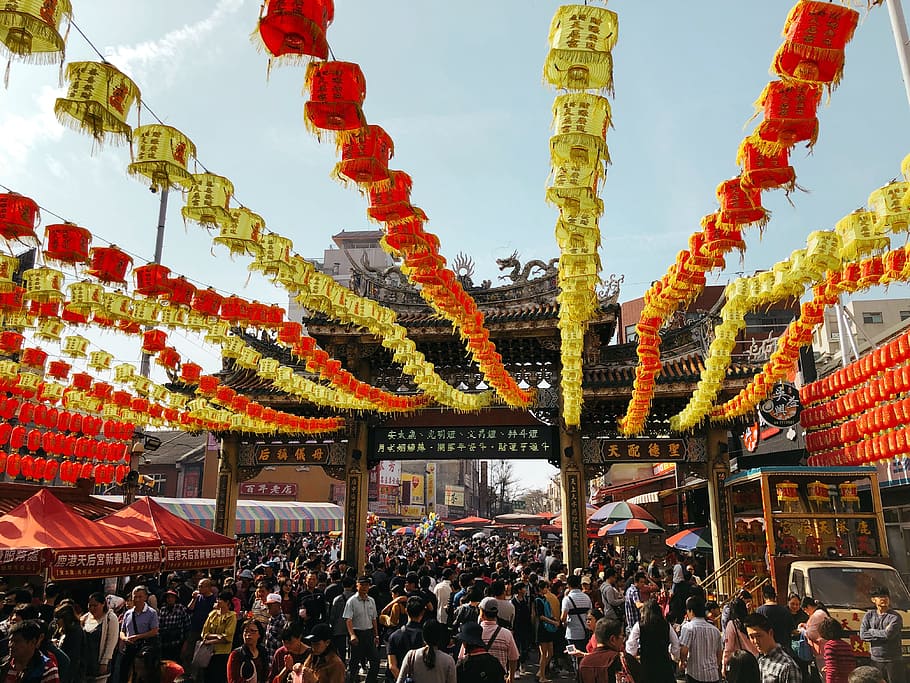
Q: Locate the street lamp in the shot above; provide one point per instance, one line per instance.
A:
(131, 480)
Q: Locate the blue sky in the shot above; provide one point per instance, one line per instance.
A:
(458, 87)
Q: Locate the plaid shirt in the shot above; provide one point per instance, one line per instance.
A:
(633, 614)
(778, 667)
(273, 631)
(173, 623)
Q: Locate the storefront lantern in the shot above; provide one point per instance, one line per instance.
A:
(815, 36)
(365, 156)
(109, 264)
(294, 30)
(98, 101)
(161, 154)
(337, 91)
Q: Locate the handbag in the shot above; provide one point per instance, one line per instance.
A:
(202, 655)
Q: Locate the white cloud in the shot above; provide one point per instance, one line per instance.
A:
(136, 60)
(23, 131)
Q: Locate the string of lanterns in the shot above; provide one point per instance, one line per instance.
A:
(580, 63)
(810, 59)
(858, 234)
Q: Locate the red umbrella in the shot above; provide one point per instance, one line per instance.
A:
(614, 512)
(630, 526)
(471, 521)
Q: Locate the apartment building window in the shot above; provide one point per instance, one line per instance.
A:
(904, 315)
(872, 318)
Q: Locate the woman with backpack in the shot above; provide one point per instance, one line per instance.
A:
(429, 664)
(735, 637)
(547, 626)
(470, 610)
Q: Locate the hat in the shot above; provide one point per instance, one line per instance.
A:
(272, 597)
(880, 592)
(489, 606)
(586, 579)
(319, 632)
(364, 579)
(471, 633)
(245, 574)
(174, 593)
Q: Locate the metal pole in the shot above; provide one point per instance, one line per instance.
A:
(144, 364)
(841, 325)
(901, 39)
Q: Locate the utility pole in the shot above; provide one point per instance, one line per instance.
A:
(901, 40)
(144, 368)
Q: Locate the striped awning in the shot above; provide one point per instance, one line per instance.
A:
(261, 517)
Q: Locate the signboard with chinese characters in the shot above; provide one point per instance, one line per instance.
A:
(461, 443)
(599, 451)
(389, 473)
(200, 558)
(261, 454)
(267, 489)
(455, 496)
(91, 564)
(412, 510)
(782, 407)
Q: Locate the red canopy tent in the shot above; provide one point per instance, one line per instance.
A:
(186, 545)
(471, 521)
(43, 534)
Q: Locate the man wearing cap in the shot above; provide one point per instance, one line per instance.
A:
(173, 622)
(361, 619)
(881, 628)
(274, 627)
(497, 639)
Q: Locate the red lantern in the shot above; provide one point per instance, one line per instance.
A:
(3, 458)
(765, 172)
(225, 395)
(234, 309)
(290, 332)
(275, 315)
(121, 399)
(365, 156)
(51, 467)
(238, 405)
(102, 390)
(11, 342)
(789, 114)
(180, 291)
(139, 404)
(168, 357)
(58, 369)
(719, 239)
(33, 442)
(82, 381)
(337, 91)
(26, 466)
(73, 317)
(13, 300)
(109, 264)
(739, 206)
(12, 465)
(190, 373)
(895, 262)
(76, 423)
(26, 413)
(391, 201)
(152, 280)
(871, 272)
(814, 39)
(296, 28)
(5, 429)
(208, 384)
(33, 357)
(153, 341)
(851, 276)
(207, 302)
(67, 243)
(85, 471)
(18, 217)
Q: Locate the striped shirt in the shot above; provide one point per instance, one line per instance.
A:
(503, 647)
(633, 614)
(705, 646)
(778, 667)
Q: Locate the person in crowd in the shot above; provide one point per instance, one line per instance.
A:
(735, 636)
(701, 645)
(336, 616)
(26, 662)
(476, 664)
(633, 599)
(361, 619)
(817, 614)
(612, 596)
(506, 613)
(866, 674)
(443, 592)
(429, 664)
(288, 596)
(779, 617)
(249, 661)
(774, 662)
(742, 667)
(726, 613)
(795, 605)
(408, 637)
(139, 640)
(259, 610)
(523, 623)
(274, 627)
(321, 664)
(218, 631)
(881, 628)
(173, 625)
(838, 659)
(655, 643)
(70, 638)
(593, 616)
(575, 605)
(609, 659)
(200, 606)
(497, 639)
(547, 624)
(292, 651)
(311, 602)
(101, 629)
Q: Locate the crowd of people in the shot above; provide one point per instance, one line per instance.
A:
(440, 610)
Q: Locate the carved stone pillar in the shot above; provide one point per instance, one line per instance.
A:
(228, 486)
(574, 494)
(355, 502)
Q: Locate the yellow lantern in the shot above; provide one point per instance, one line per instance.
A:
(580, 121)
(142, 385)
(581, 39)
(110, 412)
(124, 373)
(43, 285)
(208, 201)
(197, 321)
(50, 392)
(117, 306)
(823, 249)
(98, 101)
(146, 311)
(8, 267)
(50, 329)
(178, 401)
(891, 215)
(161, 155)
(243, 233)
(158, 393)
(860, 236)
(268, 368)
(85, 297)
(75, 346)
(249, 358)
(28, 382)
(173, 316)
(575, 187)
(100, 360)
(18, 320)
(274, 256)
(218, 332)
(231, 347)
(30, 30)
(9, 369)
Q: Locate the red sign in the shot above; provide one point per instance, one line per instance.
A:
(268, 489)
(85, 564)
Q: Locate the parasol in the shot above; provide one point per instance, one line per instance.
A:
(614, 512)
(691, 539)
(630, 526)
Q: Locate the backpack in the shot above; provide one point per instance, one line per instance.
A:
(482, 668)
(465, 614)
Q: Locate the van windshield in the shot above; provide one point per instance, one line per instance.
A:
(850, 586)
